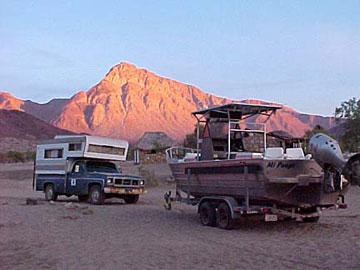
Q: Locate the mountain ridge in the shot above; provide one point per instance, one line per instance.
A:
(129, 101)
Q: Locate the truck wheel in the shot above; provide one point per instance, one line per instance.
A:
(131, 199)
(224, 218)
(50, 194)
(96, 195)
(83, 198)
(207, 214)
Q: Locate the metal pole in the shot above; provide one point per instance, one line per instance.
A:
(247, 201)
(197, 139)
(264, 137)
(188, 180)
(229, 134)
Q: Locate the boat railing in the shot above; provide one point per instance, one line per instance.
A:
(180, 154)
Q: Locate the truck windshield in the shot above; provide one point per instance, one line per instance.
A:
(105, 167)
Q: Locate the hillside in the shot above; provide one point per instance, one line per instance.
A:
(129, 101)
(20, 131)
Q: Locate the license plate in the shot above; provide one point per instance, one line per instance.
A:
(270, 217)
(127, 190)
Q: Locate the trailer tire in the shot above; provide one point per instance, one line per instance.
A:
(131, 199)
(50, 194)
(311, 219)
(224, 219)
(207, 214)
(96, 195)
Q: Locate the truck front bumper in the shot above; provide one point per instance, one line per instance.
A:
(125, 190)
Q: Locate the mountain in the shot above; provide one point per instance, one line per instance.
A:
(20, 131)
(46, 112)
(129, 101)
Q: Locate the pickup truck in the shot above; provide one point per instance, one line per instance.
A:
(83, 165)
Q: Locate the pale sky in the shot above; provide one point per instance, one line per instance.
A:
(304, 54)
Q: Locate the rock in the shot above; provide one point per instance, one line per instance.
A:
(87, 212)
(70, 217)
(30, 201)
(70, 206)
(52, 203)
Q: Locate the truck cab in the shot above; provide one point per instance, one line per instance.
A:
(84, 166)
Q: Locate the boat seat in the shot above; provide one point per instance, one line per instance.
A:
(190, 157)
(274, 153)
(295, 153)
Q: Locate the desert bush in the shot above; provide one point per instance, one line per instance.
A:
(15, 157)
(30, 155)
(149, 176)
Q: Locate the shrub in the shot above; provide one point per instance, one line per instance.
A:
(14, 157)
(149, 176)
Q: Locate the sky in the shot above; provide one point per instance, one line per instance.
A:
(304, 54)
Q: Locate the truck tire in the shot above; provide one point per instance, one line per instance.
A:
(131, 199)
(96, 195)
(207, 214)
(50, 194)
(83, 198)
(224, 219)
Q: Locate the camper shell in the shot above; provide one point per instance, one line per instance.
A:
(84, 165)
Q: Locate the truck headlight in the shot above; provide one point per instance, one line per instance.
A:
(109, 180)
(142, 182)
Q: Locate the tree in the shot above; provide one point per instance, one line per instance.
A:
(310, 133)
(349, 112)
(190, 139)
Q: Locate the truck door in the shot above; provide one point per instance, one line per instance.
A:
(74, 180)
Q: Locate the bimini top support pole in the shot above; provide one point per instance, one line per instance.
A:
(229, 133)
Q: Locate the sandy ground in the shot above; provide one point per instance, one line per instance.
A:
(145, 236)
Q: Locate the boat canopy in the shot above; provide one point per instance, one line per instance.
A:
(236, 111)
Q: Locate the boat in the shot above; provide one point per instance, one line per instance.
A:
(224, 165)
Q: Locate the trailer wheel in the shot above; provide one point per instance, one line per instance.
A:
(207, 214)
(83, 198)
(224, 218)
(311, 219)
(96, 195)
(50, 194)
(131, 199)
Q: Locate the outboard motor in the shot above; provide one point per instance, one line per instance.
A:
(327, 153)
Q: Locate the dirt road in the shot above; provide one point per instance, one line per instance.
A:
(145, 236)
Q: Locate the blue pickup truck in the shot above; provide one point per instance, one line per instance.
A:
(84, 166)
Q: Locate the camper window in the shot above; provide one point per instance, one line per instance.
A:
(104, 149)
(53, 153)
(74, 146)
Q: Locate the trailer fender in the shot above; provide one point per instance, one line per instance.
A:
(230, 201)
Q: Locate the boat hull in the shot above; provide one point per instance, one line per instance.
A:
(267, 182)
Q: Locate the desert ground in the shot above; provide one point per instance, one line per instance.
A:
(146, 236)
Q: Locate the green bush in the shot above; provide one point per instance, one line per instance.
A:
(149, 176)
(16, 157)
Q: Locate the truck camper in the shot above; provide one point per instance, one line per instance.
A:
(84, 165)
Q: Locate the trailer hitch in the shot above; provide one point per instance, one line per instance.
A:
(167, 200)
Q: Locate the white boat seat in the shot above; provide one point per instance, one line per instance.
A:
(190, 157)
(295, 153)
(274, 153)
